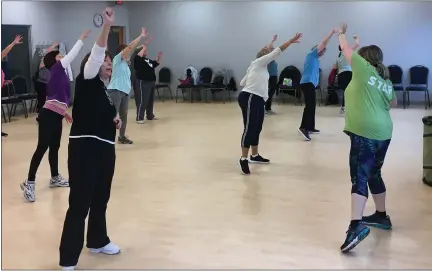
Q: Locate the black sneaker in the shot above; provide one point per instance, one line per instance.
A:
(378, 221)
(259, 160)
(354, 236)
(244, 166)
(124, 140)
(304, 133)
(4, 134)
(314, 131)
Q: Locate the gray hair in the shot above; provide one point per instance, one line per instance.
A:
(262, 52)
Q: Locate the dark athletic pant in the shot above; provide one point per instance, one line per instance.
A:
(308, 119)
(272, 86)
(145, 99)
(121, 103)
(366, 160)
(252, 107)
(344, 78)
(91, 164)
(41, 94)
(49, 136)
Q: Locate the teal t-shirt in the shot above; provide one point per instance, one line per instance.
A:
(367, 102)
(121, 75)
(342, 64)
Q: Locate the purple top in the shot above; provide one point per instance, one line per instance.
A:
(58, 87)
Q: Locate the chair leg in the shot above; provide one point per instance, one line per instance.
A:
(425, 100)
(403, 99)
(171, 95)
(408, 96)
(4, 114)
(428, 97)
(176, 95)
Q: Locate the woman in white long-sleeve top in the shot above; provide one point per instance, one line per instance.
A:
(252, 101)
(91, 159)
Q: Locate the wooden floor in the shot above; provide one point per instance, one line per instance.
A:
(179, 200)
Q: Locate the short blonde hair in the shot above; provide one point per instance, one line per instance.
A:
(263, 52)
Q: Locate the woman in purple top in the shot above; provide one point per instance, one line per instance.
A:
(51, 117)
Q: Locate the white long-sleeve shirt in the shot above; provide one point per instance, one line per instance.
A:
(257, 76)
(94, 62)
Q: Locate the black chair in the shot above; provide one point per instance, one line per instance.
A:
(419, 83)
(396, 76)
(21, 91)
(205, 81)
(8, 98)
(290, 72)
(192, 88)
(164, 82)
(218, 86)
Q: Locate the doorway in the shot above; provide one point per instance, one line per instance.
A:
(115, 38)
(17, 62)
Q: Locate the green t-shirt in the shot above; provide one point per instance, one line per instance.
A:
(367, 102)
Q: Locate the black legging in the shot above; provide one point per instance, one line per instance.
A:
(344, 78)
(41, 94)
(272, 86)
(49, 135)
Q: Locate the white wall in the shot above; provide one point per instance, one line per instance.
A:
(229, 34)
(60, 21)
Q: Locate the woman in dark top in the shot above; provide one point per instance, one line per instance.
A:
(91, 158)
(145, 81)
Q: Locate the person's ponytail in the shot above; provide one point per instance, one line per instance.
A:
(383, 71)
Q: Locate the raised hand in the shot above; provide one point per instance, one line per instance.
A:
(355, 37)
(275, 36)
(108, 16)
(149, 40)
(296, 38)
(143, 32)
(343, 28)
(160, 54)
(18, 39)
(85, 34)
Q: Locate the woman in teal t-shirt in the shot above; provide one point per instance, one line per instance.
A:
(368, 98)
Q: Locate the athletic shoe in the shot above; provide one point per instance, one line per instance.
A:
(4, 134)
(110, 249)
(154, 118)
(58, 181)
(342, 111)
(314, 131)
(259, 160)
(68, 268)
(378, 221)
(354, 236)
(270, 112)
(244, 166)
(28, 189)
(124, 140)
(304, 134)
(140, 121)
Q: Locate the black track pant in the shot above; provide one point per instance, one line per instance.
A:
(91, 165)
(252, 107)
(344, 78)
(272, 86)
(308, 120)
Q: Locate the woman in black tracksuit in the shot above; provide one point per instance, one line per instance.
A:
(91, 158)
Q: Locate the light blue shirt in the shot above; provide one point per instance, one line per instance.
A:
(121, 75)
(342, 64)
(272, 68)
(311, 68)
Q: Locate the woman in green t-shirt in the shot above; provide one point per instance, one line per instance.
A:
(368, 123)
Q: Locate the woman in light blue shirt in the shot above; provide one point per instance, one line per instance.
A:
(344, 73)
(120, 84)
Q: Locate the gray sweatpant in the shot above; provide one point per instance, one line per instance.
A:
(145, 99)
(121, 103)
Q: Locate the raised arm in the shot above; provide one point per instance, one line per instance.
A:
(270, 46)
(5, 52)
(159, 57)
(356, 42)
(67, 59)
(322, 45)
(125, 53)
(266, 59)
(97, 55)
(52, 47)
(142, 51)
(346, 49)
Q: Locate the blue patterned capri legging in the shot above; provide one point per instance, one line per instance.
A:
(366, 160)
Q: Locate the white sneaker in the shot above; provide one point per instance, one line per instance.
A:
(68, 268)
(140, 122)
(28, 189)
(58, 181)
(342, 110)
(110, 249)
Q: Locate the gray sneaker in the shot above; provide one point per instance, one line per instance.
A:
(124, 140)
(58, 181)
(28, 189)
(270, 112)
